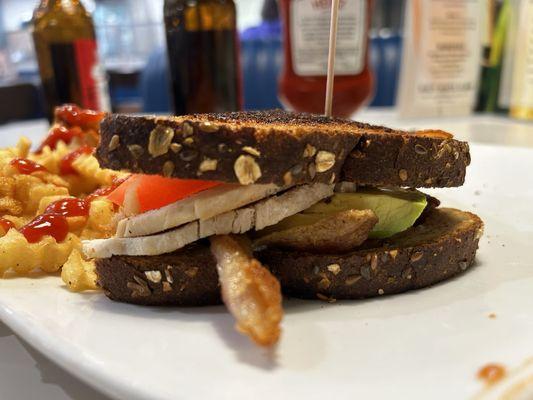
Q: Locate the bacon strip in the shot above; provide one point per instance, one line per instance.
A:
(251, 293)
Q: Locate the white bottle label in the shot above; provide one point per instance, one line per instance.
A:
(522, 85)
(441, 57)
(310, 20)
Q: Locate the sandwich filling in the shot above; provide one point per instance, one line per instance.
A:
(160, 215)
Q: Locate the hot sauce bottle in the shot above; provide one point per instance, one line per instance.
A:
(65, 43)
(302, 85)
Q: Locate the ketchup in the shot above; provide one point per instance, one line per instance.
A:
(302, 84)
(73, 115)
(60, 133)
(105, 190)
(54, 221)
(65, 165)
(71, 207)
(43, 225)
(491, 373)
(25, 166)
(6, 224)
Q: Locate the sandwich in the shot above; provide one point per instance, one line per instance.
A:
(240, 207)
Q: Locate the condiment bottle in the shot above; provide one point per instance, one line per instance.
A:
(203, 55)
(302, 84)
(65, 43)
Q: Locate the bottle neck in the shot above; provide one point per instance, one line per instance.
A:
(67, 5)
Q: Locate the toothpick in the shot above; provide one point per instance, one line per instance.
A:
(331, 57)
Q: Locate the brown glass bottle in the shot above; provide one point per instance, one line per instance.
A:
(203, 55)
(65, 43)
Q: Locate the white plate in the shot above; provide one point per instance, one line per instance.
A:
(420, 345)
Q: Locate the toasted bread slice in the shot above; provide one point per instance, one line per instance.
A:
(282, 148)
(442, 246)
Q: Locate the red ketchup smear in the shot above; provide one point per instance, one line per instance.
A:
(65, 165)
(105, 190)
(6, 224)
(491, 373)
(68, 208)
(60, 133)
(26, 167)
(43, 225)
(54, 222)
(73, 115)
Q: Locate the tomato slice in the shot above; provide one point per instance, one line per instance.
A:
(155, 191)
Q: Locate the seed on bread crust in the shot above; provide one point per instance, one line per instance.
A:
(208, 127)
(324, 161)
(246, 170)
(175, 147)
(419, 149)
(208, 164)
(309, 151)
(168, 274)
(168, 169)
(153, 276)
(159, 141)
(114, 143)
(327, 299)
(352, 279)
(191, 272)
(139, 288)
(403, 175)
(136, 150)
(416, 256)
(334, 268)
(324, 283)
(187, 129)
(251, 150)
(167, 287)
(311, 169)
(287, 178)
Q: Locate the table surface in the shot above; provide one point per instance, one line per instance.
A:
(26, 374)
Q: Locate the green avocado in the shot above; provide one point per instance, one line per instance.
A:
(396, 210)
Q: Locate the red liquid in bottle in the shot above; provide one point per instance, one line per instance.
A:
(302, 84)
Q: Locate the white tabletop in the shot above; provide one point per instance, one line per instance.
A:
(25, 374)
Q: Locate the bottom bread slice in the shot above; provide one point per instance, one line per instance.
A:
(443, 246)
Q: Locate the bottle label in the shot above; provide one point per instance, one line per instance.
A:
(522, 77)
(310, 23)
(79, 77)
(441, 58)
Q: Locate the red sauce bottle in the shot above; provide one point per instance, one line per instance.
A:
(302, 85)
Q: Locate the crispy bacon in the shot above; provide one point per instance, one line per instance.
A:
(251, 293)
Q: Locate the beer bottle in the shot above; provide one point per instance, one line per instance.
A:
(203, 55)
(65, 44)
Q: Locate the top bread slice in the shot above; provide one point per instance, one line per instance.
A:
(281, 147)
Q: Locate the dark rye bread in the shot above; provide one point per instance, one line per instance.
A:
(442, 246)
(281, 147)
(187, 277)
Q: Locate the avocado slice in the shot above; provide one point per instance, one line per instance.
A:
(397, 210)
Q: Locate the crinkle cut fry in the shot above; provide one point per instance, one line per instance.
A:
(251, 293)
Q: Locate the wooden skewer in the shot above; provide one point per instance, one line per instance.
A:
(331, 57)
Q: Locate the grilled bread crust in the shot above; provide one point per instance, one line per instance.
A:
(281, 147)
(442, 246)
